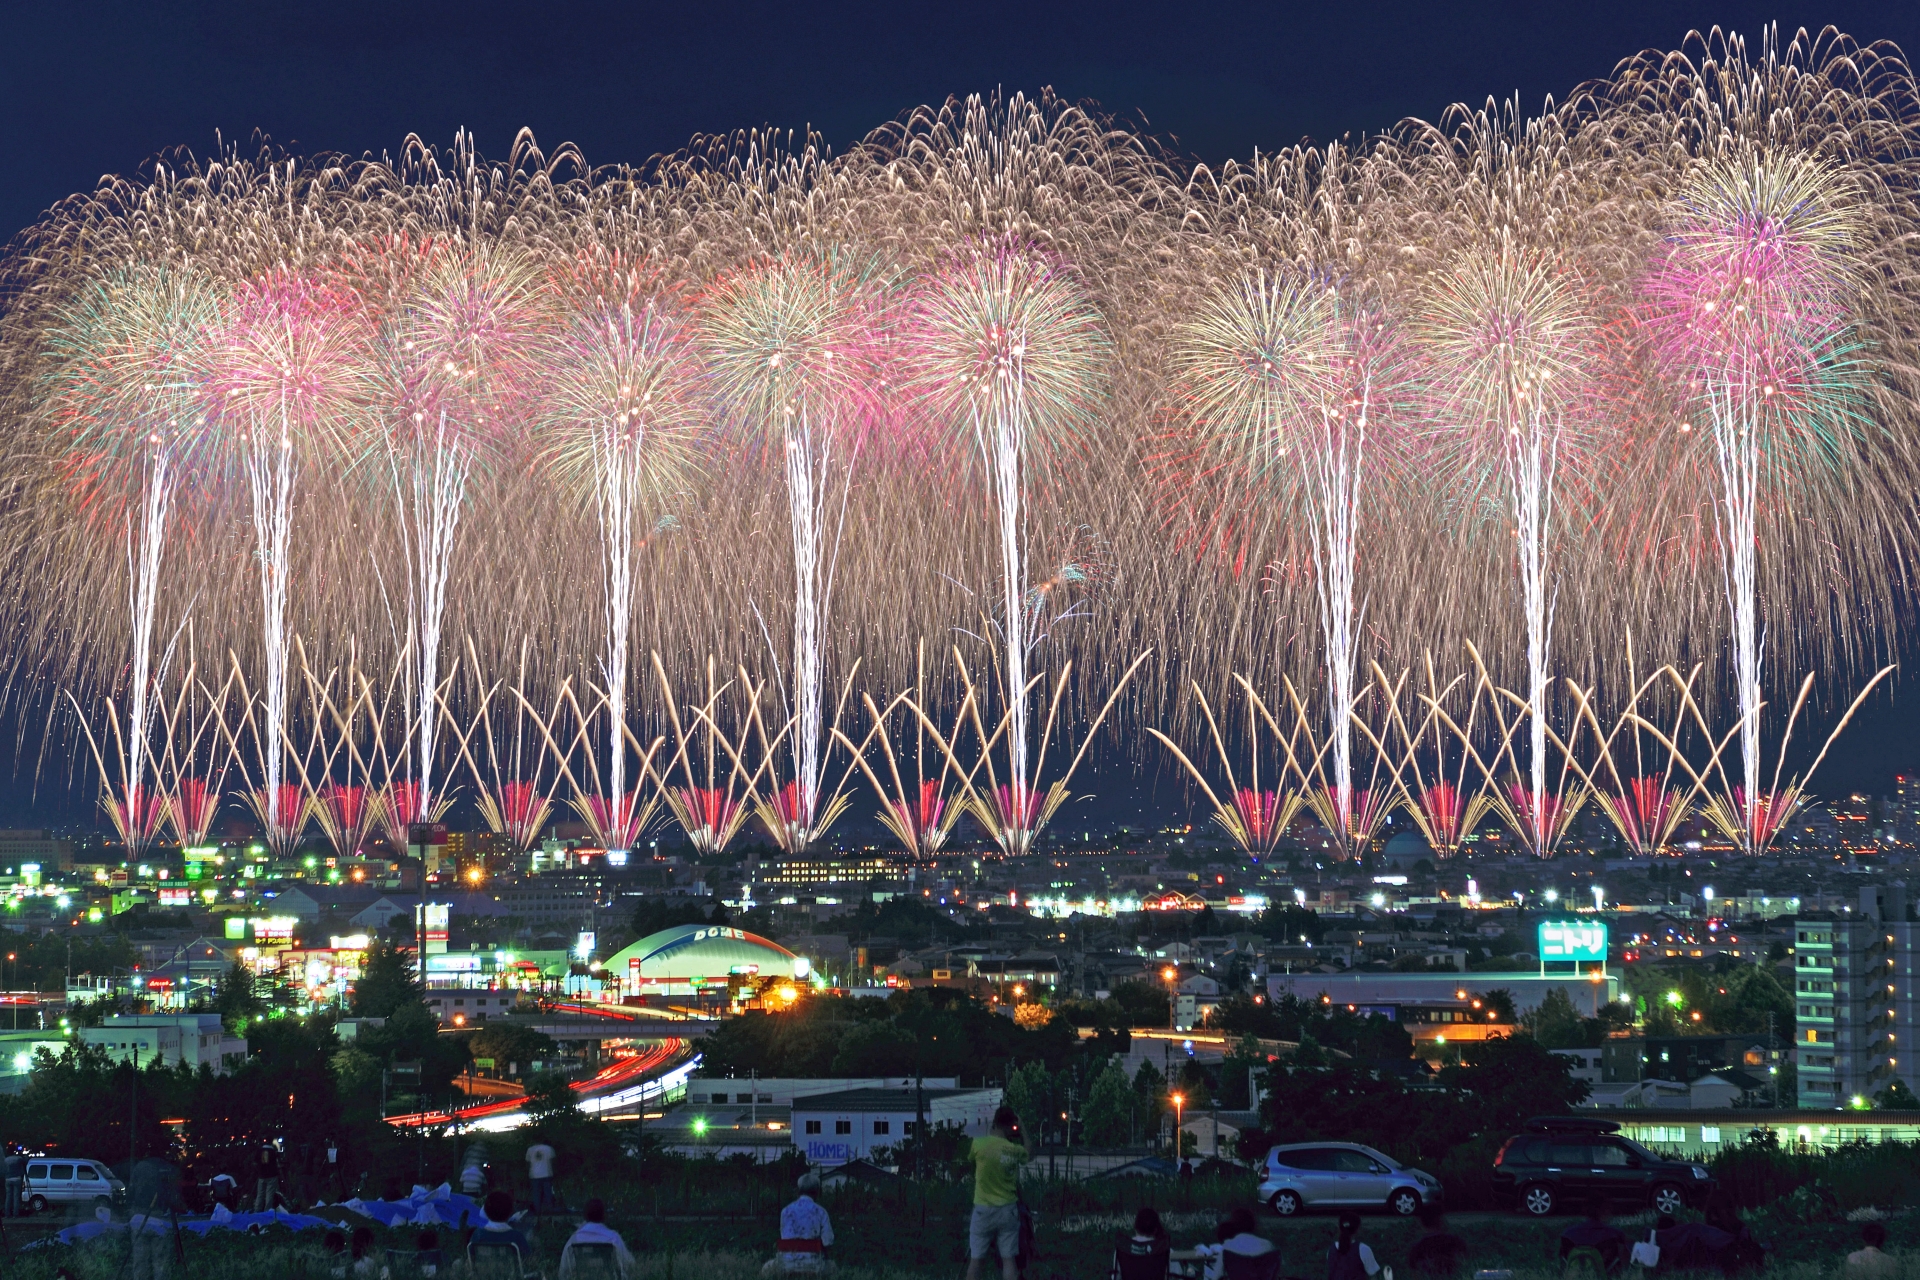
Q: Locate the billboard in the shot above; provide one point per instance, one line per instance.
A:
(1573, 941)
(430, 922)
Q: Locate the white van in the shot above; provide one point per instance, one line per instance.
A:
(56, 1181)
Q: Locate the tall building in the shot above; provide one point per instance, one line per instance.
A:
(1855, 993)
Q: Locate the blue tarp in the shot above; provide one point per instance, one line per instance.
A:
(197, 1223)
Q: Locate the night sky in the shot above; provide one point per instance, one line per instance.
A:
(93, 88)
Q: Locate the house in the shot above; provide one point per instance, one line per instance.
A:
(1582, 1064)
(382, 913)
(1721, 1090)
(833, 1128)
(197, 1039)
(1208, 1135)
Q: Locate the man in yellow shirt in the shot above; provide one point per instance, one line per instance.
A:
(996, 1193)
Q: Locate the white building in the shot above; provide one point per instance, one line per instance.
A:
(193, 1038)
(1582, 1064)
(833, 1128)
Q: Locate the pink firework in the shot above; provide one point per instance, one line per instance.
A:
(616, 821)
(1540, 814)
(282, 810)
(1646, 812)
(136, 816)
(290, 355)
(711, 816)
(191, 809)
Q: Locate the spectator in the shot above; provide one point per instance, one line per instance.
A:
(427, 1258)
(499, 1228)
(540, 1173)
(1438, 1252)
(267, 1169)
(365, 1265)
(596, 1231)
(473, 1171)
(805, 1233)
(1347, 1258)
(16, 1182)
(1593, 1245)
(1236, 1235)
(151, 1194)
(334, 1244)
(1870, 1259)
(996, 1196)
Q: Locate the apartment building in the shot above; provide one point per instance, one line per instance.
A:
(1854, 996)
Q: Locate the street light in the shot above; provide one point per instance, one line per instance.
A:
(1170, 973)
(1179, 1106)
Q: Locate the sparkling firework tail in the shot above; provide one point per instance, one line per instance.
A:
(1255, 819)
(1351, 824)
(193, 797)
(921, 818)
(281, 807)
(1540, 814)
(710, 809)
(1448, 798)
(1752, 820)
(271, 469)
(428, 499)
(512, 802)
(345, 812)
(1642, 805)
(792, 818)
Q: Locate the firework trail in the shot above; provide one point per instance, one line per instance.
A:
(1750, 302)
(788, 344)
(624, 408)
(1010, 347)
(1505, 331)
(126, 389)
(290, 372)
(1271, 367)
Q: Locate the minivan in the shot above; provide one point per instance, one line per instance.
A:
(1325, 1175)
(68, 1181)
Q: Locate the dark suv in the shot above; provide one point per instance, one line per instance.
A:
(1562, 1162)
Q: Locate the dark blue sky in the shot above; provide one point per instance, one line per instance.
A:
(89, 87)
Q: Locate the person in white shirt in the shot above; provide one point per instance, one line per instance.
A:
(1237, 1235)
(596, 1231)
(540, 1172)
(806, 1233)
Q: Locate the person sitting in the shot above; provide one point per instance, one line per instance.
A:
(806, 1233)
(334, 1245)
(1348, 1258)
(1142, 1255)
(499, 1229)
(595, 1232)
(1438, 1252)
(365, 1265)
(427, 1259)
(1594, 1246)
(1240, 1244)
(1870, 1260)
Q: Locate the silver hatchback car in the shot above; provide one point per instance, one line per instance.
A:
(1346, 1175)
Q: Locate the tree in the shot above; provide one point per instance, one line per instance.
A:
(386, 982)
(1896, 1097)
(1107, 1118)
(1030, 1094)
(234, 998)
(1149, 1097)
(509, 1043)
(1555, 1023)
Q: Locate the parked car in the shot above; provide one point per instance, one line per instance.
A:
(1327, 1175)
(1562, 1162)
(70, 1181)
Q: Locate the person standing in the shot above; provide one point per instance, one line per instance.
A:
(152, 1187)
(268, 1186)
(540, 1173)
(996, 1196)
(16, 1182)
